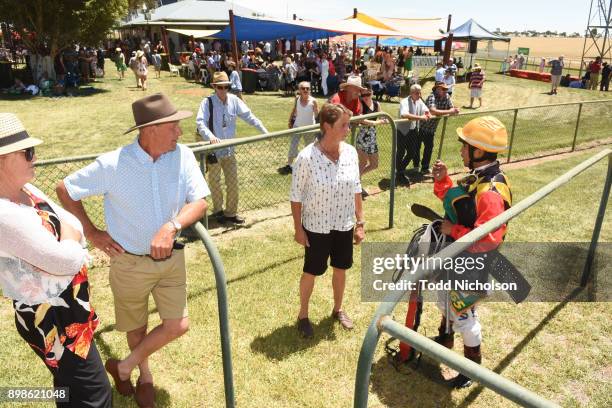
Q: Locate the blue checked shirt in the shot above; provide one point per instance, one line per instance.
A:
(140, 195)
(224, 120)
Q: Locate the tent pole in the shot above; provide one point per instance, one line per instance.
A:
(354, 43)
(294, 42)
(448, 45)
(234, 42)
(377, 39)
(164, 34)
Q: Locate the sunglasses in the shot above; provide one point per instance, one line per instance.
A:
(29, 153)
(365, 95)
(304, 89)
(223, 87)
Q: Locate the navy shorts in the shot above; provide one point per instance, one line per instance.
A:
(337, 245)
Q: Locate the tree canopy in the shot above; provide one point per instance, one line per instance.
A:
(55, 24)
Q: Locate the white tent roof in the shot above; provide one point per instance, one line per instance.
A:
(191, 12)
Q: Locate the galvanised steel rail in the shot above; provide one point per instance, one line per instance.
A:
(465, 366)
(490, 379)
(222, 304)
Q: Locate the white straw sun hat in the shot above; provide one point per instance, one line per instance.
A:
(13, 136)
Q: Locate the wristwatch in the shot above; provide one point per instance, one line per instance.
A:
(177, 225)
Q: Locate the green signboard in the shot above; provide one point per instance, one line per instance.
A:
(524, 51)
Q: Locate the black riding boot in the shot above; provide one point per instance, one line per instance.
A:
(444, 338)
(471, 353)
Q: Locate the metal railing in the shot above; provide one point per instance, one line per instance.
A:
(381, 320)
(533, 130)
(221, 285)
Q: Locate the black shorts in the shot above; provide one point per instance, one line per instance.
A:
(337, 244)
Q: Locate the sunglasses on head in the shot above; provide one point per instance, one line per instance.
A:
(224, 87)
(29, 153)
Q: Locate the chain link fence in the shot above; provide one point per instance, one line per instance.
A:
(261, 182)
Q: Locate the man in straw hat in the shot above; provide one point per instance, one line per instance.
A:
(439, 104)
(477, 79)
(152, 189)
(224, 108)
(349, 93)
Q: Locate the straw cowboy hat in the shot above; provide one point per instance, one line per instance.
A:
(439, 84)
(13, 136)
(477, 66)
(118, 49)
(155, 109)
(220, 78)
(352, 80)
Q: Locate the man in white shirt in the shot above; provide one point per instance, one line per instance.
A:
(408, 139)
(152, 188)
(225, 108)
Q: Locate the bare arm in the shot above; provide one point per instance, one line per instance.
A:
(163, 241)
(300, 235)
(359, 234)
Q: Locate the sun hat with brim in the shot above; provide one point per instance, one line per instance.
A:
(154, 110)
(13, 136)
(352, 80)
(439, 84)
(220, 78)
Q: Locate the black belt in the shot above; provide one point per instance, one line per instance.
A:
(176, 245)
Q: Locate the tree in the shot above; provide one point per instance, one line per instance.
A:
(136, 5)
(55, 24)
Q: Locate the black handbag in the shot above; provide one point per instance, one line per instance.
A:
(211, 158)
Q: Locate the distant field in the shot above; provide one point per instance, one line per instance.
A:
(546, 46)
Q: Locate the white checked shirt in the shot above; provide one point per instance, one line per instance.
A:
(325, 189)
(140, 195)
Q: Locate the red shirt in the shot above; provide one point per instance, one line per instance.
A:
(595, 67)
(354, 106)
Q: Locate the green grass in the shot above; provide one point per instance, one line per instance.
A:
(560, 351)
(92, 124)
(566, 361)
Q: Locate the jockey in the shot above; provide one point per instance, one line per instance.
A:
(479, 197)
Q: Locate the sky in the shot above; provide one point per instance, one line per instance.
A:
(519, 15)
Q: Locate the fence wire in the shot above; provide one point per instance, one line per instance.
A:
(535, 131)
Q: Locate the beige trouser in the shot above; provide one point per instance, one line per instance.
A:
(230, 173)
(594, 81)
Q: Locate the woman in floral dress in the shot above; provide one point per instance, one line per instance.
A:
(43, 269)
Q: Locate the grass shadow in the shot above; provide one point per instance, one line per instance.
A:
(392, 385)
(285, 340)
(502, 365)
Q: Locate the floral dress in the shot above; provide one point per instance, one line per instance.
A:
(65, 322)
(366, 138)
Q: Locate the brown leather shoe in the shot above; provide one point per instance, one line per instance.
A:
(145, 395)
(343, 318)
(124, 387)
